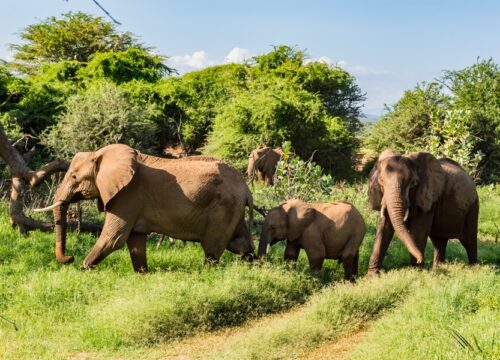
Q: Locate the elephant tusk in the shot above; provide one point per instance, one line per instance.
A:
(382, 212)
(48, 208)
(407, 213)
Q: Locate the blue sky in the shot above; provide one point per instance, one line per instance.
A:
(389, 45)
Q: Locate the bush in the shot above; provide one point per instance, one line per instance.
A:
(98, 117)
(452, 137)
(273, 113)
(296, 179)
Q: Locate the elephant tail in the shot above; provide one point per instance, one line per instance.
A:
(249, 203)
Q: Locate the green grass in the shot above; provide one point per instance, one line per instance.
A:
(111, 312)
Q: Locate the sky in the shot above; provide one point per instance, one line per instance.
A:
(388, 45)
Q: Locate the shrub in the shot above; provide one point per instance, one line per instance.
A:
(296, 179)
(452, 137)
(98, 117)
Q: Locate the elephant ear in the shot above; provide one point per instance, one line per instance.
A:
(374, 191)
(115, 168)
(431, 180)
(300, 216)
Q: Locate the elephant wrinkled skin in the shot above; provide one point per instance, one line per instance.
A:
(196, 199)
(325, 231)
(420, 196)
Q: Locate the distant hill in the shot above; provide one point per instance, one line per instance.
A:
(369, 118)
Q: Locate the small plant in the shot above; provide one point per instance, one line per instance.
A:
(296, 178)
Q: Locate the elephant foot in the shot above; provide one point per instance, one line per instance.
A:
(65, 259)
(373, 272)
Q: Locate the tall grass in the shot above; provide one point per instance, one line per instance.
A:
(111, 311)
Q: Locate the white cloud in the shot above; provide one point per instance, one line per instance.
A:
(237, 55)
(360, 70)
(196, 60)
(323, 59)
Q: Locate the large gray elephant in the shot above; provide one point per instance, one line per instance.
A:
(263, 161)
(197, 199)
(325, 231)
(420, 196)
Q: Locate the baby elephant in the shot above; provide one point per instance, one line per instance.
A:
(325, 231)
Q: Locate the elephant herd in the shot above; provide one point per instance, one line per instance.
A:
(203, 199)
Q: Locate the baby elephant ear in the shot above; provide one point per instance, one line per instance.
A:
(300, 216)
(374, 191)
(115, 168)
(431, 180)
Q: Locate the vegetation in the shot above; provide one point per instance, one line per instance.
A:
(62, 311)
(98, 117)
(468, 120)
(73, 37)
(84, 85)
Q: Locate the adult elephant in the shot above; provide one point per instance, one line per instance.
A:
(263, 161)
(420, 196)
(197, 199)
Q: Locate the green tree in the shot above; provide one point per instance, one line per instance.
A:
(476, 89)
(406, 126)
(73, 37)
(97, 117)
(338, 91)
(124, 66)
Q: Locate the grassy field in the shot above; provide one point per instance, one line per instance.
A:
(183, 309)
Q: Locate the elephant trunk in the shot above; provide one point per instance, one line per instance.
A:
(60, 230)
(250, 169)
(397, 210)
(263, 242)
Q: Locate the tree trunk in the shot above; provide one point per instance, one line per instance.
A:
(22, 179)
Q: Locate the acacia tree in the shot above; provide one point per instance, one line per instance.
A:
(73, 37)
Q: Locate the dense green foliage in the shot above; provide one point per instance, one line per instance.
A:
(73, 36)
(97, 117)
(428, 118)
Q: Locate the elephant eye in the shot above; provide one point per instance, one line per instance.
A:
(73, 176)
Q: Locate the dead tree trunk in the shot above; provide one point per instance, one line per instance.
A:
(24, 178)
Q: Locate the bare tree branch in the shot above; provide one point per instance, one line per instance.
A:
(107, 13)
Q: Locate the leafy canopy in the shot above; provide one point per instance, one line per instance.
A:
(73, 36)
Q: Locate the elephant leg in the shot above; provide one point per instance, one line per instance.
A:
(439, 250)
(469, 237)
(269, 180)
(114, 234)
(291, 252)
(348, 264)
(137, 248)
(355, 265)
(311, 242)
(260, 176)
(420, 227)
(214, 241)
(385, 232)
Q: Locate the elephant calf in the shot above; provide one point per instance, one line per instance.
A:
(325, 231)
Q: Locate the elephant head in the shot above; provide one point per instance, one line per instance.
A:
(286, 221)
(91, 175)
(402, 185)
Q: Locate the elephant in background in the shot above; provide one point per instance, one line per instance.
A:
(325, 231)
(263, 161)
(197, 199)
(420, 196)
